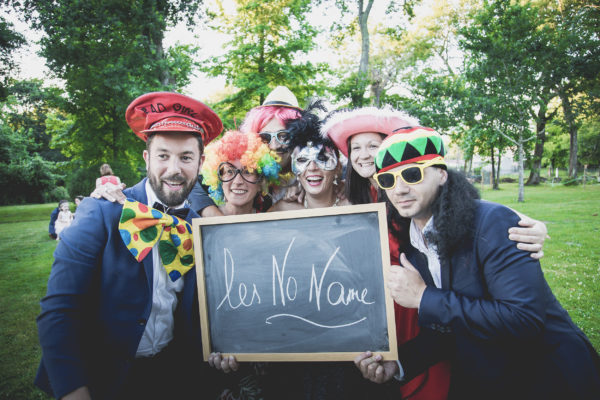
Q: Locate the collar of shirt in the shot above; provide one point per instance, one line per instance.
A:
(417, 239)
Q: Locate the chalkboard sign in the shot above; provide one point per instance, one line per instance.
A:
(296, 285)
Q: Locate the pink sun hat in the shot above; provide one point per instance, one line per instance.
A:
(341, 125)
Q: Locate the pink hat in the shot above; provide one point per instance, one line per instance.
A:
(341, 125)
(172, 112)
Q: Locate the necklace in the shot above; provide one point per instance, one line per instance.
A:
(335, 203)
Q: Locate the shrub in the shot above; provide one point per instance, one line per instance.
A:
(55, 195)
(572, 181)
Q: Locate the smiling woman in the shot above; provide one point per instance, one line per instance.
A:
(315, 163)
(238, 169)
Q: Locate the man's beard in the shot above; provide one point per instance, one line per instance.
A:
(168, 197)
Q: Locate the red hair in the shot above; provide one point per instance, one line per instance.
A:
(258, 117)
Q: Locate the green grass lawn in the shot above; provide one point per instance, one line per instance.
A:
(25, 260)
(571, 260)
(571, 265)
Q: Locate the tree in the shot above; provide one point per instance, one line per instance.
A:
(35, 102)
(577, 66)
(108, 52)
(31, 179)
(589, 145)
(9, 42)
(505, 49)
(355, 83)
(269, 47)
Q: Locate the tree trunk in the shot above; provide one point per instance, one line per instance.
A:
(572, 126)
(363, 17)
(521, 155)
(498, 169)
(361, 84)
(493, 175)
(261, 62)
(538, 152)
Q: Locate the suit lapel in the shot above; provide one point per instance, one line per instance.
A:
(138, 193)
(419, 261)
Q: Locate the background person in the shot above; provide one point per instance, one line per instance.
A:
(64, 218)
(78, 199)
(120, 318)
(53, 217)
(107, 177)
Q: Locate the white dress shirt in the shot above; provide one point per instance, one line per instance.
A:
(417, 239)
(160, 324)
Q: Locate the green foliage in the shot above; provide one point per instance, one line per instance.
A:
(572, 181)
(25, 177)
(81, 179)
(589, 142)
(10, 40)
(363, 72)
(56, 194)
(108, 52)
(27, 107)
(556, 149)
(270, 41)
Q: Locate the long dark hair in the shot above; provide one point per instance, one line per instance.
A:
(454, 212)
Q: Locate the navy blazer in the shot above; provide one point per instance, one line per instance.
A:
(53, 217)
(497, 320)
(98, 301)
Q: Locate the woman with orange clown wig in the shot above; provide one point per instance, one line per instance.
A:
(238, 169)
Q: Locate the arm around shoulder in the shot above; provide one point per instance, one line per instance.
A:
(508, 303)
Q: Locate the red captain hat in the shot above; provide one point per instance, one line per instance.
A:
(172, 112)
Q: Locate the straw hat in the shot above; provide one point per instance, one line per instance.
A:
(281, 96)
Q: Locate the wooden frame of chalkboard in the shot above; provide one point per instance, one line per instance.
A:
(305, 285)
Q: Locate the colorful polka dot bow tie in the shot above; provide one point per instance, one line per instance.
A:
(142, 226)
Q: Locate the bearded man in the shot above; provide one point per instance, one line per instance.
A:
(119, 319)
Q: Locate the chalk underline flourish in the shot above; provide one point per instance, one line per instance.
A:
(314, 323)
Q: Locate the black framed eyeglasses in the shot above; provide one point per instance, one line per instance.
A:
(282, 137)
(227, 172)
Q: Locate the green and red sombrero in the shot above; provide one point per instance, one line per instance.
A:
(409, 145)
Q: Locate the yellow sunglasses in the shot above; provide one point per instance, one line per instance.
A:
(409, 175)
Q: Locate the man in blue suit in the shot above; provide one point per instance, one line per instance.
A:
(483, 304)
(117, 322)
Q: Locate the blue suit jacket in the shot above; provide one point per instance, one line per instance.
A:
(98, 301)
(496, 318)
(53, 217)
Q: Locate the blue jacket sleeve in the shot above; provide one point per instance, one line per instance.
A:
(61, 323)
(199, 199)
(509, 299)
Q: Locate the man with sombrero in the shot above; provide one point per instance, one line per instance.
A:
(118, 317)
(482, 303)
